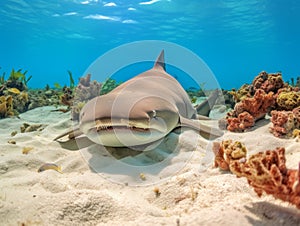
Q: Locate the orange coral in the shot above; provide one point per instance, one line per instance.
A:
(268, 82)
(285, 122)
(249, 110)
(227, 152)
(266, 172)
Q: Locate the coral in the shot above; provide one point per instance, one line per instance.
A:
(20, 99)
(288, 100)
(268, 82)
(6, 106)
(265, 171)
(242, 93)
(14, 91)
(227, 152)
(228, 99)
(285, 122)
(85, 81)
(249, 110)
(296, 133)
(67, 97)
(26, 128)
(17, 79)
(84, 91)
(241, 122)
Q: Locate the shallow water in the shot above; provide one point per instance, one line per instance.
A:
(237, 40)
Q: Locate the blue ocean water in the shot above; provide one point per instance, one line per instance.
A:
(236, 39)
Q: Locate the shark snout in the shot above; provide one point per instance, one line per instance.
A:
(126, 124)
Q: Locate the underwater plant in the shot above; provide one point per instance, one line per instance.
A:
(2, 79)
(72, 83)
(17, 79)
(108, 85)
(19, 75)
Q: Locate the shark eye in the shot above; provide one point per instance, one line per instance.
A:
(152, 114)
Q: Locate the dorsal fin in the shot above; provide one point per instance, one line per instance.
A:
(160, 61)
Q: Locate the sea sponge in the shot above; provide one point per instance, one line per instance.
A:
(268, 82)
(265, 171)
(243, 121)
(249, 110)
(228, 151)
(6, 106)
(242, 93)
(285, 122)
(85, 91)
(288, 100)
(67, 97)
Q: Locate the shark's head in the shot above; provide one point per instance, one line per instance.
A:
(116, 121)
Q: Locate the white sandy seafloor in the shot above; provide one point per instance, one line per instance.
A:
(191, 191)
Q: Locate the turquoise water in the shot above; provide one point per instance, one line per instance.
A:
(236, 39)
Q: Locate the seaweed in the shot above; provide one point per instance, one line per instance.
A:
(17, 79)
(72, 83)
(2, 79)
(109, 85)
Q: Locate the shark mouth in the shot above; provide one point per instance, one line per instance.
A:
(132, 128)
(105, 125)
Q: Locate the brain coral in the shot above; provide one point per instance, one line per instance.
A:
(288, 100)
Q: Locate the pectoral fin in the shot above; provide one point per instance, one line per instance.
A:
(207, 128)
(72, 134)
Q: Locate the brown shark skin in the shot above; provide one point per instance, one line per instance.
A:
(133, 103)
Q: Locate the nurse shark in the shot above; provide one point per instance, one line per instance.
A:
(143, 111)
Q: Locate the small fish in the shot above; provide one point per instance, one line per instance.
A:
(48, 166)
(26, 150)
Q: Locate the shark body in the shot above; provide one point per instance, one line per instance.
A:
(143, 110)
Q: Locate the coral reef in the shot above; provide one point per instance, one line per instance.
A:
(268, 82)
(13, 92)
(265, 171)
(285, 122)
(250, 109)
(266, 93)
(6, 106)
(67, 97)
